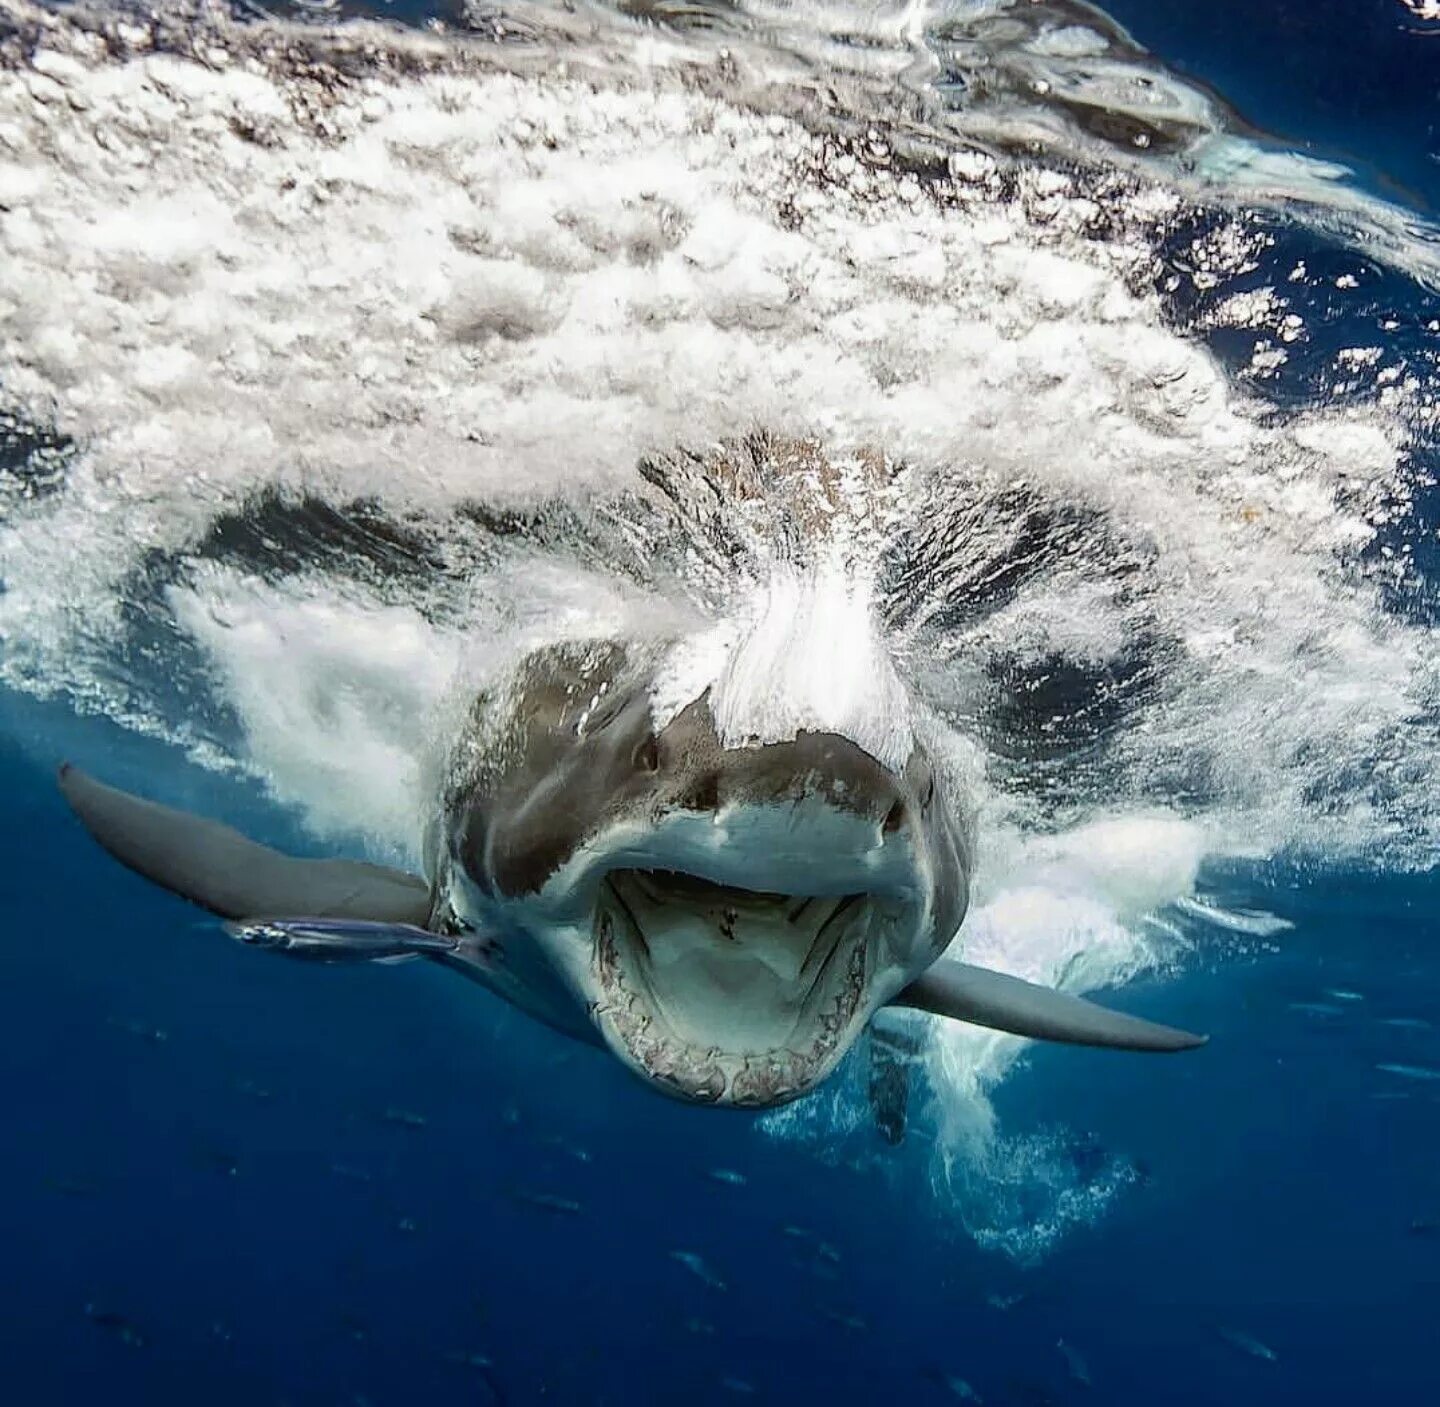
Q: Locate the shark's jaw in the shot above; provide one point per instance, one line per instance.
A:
(730, 996)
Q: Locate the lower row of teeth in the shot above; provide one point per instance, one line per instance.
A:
(700, 1074)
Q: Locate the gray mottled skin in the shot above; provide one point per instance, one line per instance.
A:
(725, 919)
(557, 771)
(569, 753)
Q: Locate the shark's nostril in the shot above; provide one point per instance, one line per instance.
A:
(894, 818)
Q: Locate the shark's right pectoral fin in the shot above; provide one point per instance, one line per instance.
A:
(221, 870)
(1004, 1003)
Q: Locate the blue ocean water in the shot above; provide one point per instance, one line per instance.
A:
(237, 1180)
(1357, 80)
(314, 1186)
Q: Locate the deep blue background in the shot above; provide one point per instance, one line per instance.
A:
(1357, 80)
(273, 1184)
(221, 1150)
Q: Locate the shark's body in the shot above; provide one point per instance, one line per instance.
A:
(725, 914)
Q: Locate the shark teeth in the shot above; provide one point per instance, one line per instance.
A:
(633, 1017)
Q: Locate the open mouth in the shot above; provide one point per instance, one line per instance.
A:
(727, 995)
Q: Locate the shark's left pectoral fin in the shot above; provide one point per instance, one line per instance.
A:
(1004, 1003)
(223, 871)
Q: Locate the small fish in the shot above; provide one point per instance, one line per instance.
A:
(958, 1387)
(1343, 994)
(813, 1255)
(700, 1326)
(483, 1366)
(735, 1179)
(1079, 1370)
(221, 1161)
(1423, 1227)
(1406, 1023)
(406, 1225)
(1411, 1072)
(563, 1145)
(547, 1201)
(405, 1118)
(1317, 1008)
(696, 1266)
(116, 1324)
(853, 1322)
(154, 1034)
(738, 1385)
(350, 1172)
(252, 1089)
(1247, 1344)
(1003, 1302)
(220, 1333)
(355, 1326)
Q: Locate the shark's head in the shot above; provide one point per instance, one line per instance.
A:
(729, 914)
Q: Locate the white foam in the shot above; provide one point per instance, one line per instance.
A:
(1065, 911)
(803, 653)
(499, 285)
(343, 735)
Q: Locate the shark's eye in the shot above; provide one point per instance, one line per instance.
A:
(647, 754)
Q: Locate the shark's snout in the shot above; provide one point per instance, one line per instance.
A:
(730, 911)
(695, 771)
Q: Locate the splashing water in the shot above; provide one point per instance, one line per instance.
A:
(346, 363)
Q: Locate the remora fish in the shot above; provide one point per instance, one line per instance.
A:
(613, 853)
